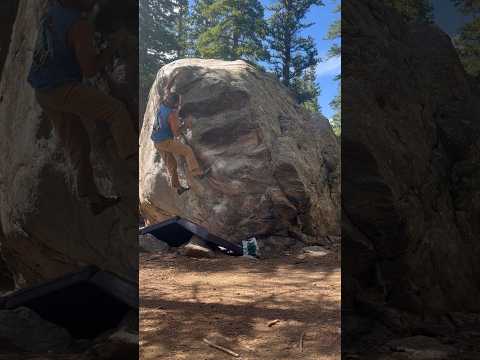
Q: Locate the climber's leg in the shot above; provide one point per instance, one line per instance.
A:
(90, 103)
(178, 148)
(74, 138)
(171, 164)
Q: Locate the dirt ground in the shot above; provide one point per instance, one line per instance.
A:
(231, 301)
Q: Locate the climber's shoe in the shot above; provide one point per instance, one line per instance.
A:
(182, 189)
(100, 203)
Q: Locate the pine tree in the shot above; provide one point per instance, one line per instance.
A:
(307, 89)
(467, 41)
(182, 28)
(229, 29)
(162, 26)
(291, 53)
(334, 32)
(336, 104)
(468, 6)
(414, 10)
(198, 24)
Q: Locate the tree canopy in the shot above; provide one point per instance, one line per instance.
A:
(230, 30)
(467, 41)
(414, 10)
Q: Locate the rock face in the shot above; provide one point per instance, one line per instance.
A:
(148, 243)
(47, 229)
(6, 279)
(422, 348)
(23, 329)
(275, 168)
(8, 9)
(411, 182)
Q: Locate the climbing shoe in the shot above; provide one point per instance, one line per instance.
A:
(101, 203)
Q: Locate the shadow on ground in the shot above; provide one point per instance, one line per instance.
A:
(231, 301)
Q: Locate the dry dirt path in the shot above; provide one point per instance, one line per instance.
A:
(230, 301)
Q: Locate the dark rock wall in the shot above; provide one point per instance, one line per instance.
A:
(411, 176)
(47, 229)
(8, 11)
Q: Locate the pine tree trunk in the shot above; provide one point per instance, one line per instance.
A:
(236, 40)
(287, 47)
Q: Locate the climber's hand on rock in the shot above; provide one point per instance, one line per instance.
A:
(188, 122)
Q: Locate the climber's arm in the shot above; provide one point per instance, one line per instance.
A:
(81, 38)
(186, 122)
(174, 124)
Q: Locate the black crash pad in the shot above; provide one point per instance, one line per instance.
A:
(177, 231)
(86, 303)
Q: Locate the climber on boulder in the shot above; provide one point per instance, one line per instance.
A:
(166, 134)
(63, 73)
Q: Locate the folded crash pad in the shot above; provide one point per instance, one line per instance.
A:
(86, 303)
(177, 231)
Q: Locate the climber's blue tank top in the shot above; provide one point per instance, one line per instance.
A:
(161, 129)
(54, 62)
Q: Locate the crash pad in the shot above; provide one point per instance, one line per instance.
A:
(177, 232)
(87, 302)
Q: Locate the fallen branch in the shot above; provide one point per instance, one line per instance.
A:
(273, 322)
(301, 341)
(218, 347)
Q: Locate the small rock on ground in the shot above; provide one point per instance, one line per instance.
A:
(315, 251)
(150, 244)
(196, 248)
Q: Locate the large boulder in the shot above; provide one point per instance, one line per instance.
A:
(47, 229)
(411, 182)
(274, 166)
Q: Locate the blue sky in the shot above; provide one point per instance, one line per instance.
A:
(448, 17)
(322, 17)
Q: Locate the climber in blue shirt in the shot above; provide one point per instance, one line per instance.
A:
(166, 134)
(65, 64)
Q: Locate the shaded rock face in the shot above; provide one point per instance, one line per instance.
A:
(24, 333)
(47, 229)
(6, 279)
(23, 329)
(275, 167)
(8, 9)
(411, 182)
(150, 244)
